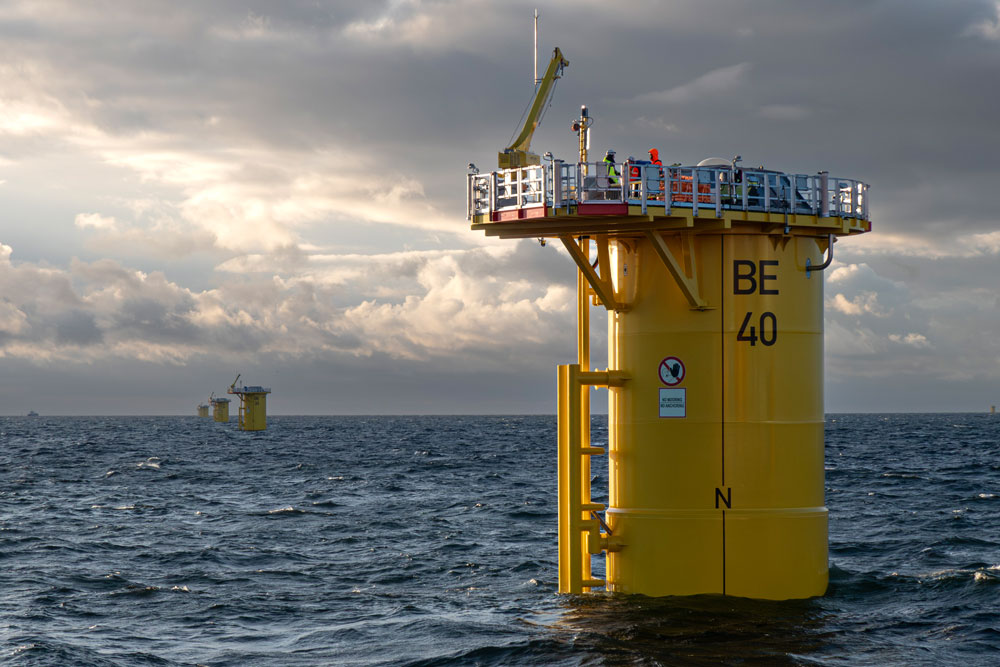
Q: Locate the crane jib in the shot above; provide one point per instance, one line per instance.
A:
(518, 154)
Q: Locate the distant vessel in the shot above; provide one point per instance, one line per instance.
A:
(32, 413)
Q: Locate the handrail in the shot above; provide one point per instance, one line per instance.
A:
(562, 185)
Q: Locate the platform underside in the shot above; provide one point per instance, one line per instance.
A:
(628, 220)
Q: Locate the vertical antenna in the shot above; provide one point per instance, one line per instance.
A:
(536, 46)
(582, 127)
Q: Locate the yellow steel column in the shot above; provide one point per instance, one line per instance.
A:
(582, 418)
(566, 554)
(716, 462)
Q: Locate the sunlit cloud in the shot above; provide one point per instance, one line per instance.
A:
(431, 26)
(987, 28)
(95, 221)
(721, 80)
(911, 339)
(443, 306)
(956, 244)
(866, 302)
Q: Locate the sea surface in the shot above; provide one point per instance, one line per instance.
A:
(432, 541)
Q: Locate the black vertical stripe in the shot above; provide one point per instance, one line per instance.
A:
(723, 552)
(722, 350)
(722, 386)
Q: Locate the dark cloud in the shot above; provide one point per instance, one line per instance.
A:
(77, 327)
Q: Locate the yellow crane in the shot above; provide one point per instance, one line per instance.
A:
(518, 153)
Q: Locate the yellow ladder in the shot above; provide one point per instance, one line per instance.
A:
(580, 534)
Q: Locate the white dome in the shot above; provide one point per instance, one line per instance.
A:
(715, 162)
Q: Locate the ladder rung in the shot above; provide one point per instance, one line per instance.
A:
(592, 451)
(597, 507)
(594, 583)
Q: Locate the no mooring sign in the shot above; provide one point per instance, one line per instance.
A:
(671, 371)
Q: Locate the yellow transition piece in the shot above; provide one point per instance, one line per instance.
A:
(716, 442)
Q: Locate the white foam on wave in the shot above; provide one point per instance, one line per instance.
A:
(286, 510)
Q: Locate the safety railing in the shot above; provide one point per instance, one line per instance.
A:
(561, 185)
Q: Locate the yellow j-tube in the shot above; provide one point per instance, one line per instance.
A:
(716, 442)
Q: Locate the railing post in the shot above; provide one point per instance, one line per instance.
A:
(744, 186)
(557, 183)
(493, 193)
(716, 180)
(694, 192)
(642, 187)
(824, 189)
(667, 190)
(767, 192)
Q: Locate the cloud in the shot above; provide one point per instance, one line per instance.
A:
(867, 302)
(784, 112)
(443, 305)
(929, 324)
(429, 26)
(252, 27)
(988, 28)
(912, 339)
(956, 244)
(231, 190)
(94, 221)
(13, 320)
(724, 80)
(659, 124)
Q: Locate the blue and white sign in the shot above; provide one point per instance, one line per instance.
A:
(673, 402)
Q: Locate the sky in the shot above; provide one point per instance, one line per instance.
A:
(192, 190)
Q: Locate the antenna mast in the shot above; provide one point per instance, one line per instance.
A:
(535, 82)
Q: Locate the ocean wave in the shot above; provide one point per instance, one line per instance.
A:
(337, 541)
